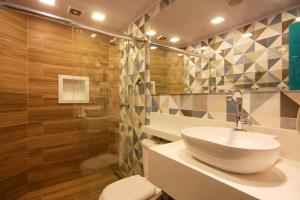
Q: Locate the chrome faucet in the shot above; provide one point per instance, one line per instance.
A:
(241, 119)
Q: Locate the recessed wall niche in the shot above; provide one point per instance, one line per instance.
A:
(73, 89)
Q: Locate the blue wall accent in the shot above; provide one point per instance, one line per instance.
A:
(294, 56)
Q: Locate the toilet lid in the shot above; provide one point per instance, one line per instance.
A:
(131, 188)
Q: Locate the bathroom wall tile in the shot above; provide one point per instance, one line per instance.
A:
(188, 113)
(294, 95)
(265, 109)
(289, 105)
(155, 103)
(231, 117)
(257, 63)
(137, 65)
(288, 123)
(13, 104)
(173, 111)
(35, 100)
(50, 121)
(217, 115)
(246, 102)
(174, 101)
(164, 104)
(250, 63)
(230, 107)
(199, 114)
(35, 129)
(243, 63)
(200, 102)
(216, 103)
(186, 102)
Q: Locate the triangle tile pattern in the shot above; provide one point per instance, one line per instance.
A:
(136, 100)
(133, 109)
(232, 61)
(270, 109)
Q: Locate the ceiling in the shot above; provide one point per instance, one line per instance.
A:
(119, 13)
(190, 19)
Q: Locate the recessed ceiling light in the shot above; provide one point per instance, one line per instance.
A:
(174, 39)
(203, 48)
(247, 35)
(217, 20)
(98, 16)
(48, 2)
(153, 47)
(298, 19)
(179, 54)
(219, 51)
(151, 33)
(74, 11)
(161, 37)
(93, 35)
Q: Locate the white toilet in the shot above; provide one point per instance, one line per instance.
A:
(134, 187)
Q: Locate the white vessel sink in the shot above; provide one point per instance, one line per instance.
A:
(231, 150)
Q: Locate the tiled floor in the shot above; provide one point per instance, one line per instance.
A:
(88, 187)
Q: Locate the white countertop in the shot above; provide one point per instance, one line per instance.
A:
(280, 182)
(162, 132)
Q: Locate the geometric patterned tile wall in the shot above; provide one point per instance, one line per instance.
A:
(255, 63)
(268, 109)
(132, 113)
(135, 99)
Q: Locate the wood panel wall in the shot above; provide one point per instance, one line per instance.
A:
(175, 71)
(43, 143)
(53, 129)
(13, 105)
(167, 71)
(159, 70)
(113, 94)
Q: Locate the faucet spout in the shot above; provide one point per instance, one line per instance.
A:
(237, 97)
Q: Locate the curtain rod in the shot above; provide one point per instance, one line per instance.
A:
(64, 21)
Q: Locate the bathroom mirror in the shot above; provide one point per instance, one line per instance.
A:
(167, 71)
(240, 46)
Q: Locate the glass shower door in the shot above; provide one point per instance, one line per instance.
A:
(98, 122)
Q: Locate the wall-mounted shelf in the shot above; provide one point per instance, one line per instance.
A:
(73, 89)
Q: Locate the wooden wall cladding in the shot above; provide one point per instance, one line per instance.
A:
(13, 105)
(167, 71)
(65, 135)
(113, 94)
(175, 78)
(43, 143)
(159, 70)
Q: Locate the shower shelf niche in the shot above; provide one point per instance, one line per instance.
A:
(73, 89)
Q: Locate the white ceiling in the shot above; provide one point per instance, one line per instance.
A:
(119, 13)
(190, 19)
(187, 19)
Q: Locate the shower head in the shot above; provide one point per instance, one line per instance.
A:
(113, 41)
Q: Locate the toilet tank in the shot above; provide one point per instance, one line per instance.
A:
(147, 144)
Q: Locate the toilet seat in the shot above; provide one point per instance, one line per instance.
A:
(131, 188)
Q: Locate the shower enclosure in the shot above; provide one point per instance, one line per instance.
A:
(62, 134)
(98, 59)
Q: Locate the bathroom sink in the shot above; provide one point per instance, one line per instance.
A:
(231, 150)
